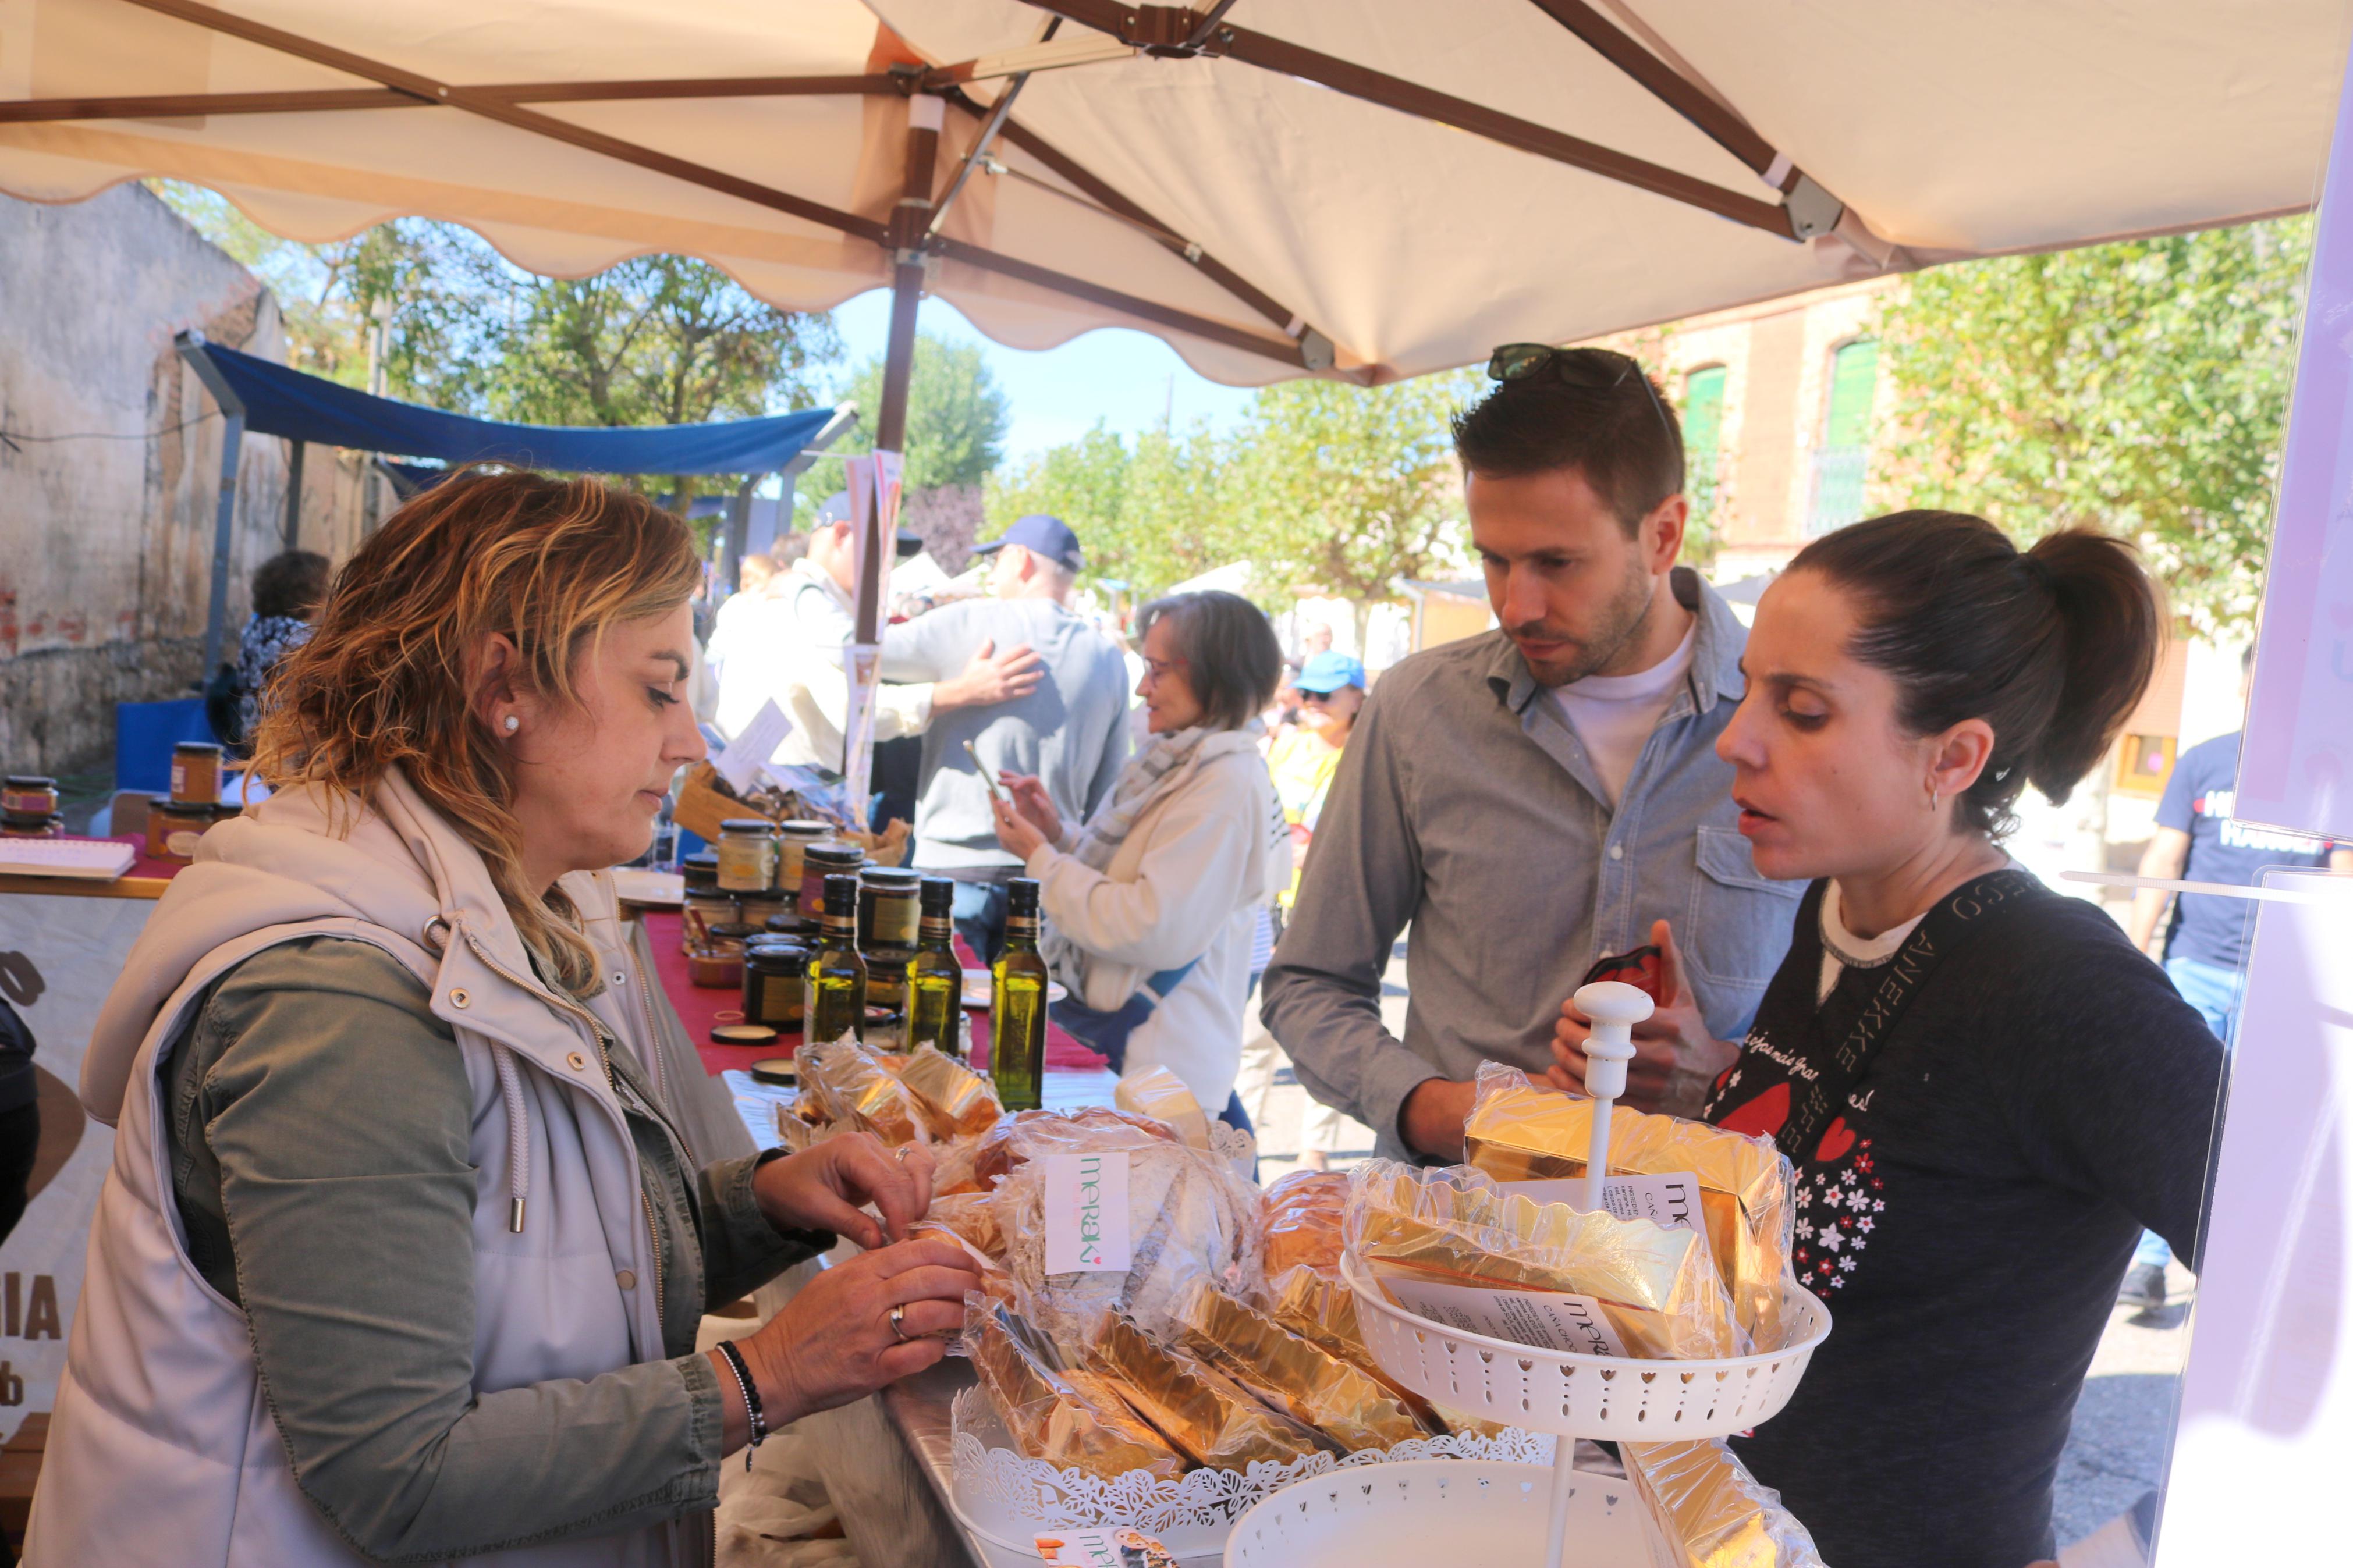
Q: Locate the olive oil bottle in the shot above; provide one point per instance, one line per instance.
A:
(836, 999)
(1016, 1006)
(935, 977)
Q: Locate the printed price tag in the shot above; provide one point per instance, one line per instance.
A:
(1086, 1213)
(1669, 1201)
(1553, 1322)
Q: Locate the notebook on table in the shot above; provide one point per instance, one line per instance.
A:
(90, 859)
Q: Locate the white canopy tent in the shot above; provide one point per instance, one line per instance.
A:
(1373, 188)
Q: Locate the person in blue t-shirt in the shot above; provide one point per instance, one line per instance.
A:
(2204, 948)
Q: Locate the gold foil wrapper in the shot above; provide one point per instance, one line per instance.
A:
(1519, 1132)
(1711, 1511)
(1205, 1412)
(1291, 1373)
(955, 1101)
(854, 1086)
(1322, 1310)
(1299, 1221)
(1658, 1288)
(1064, 1418)
(1162, 1095)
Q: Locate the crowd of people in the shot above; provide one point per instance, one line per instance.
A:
(1988, 1094)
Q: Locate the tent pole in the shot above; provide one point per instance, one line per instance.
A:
(294, 492)
(925, 114)
(191, 347)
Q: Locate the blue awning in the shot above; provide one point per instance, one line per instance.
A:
(282, 402)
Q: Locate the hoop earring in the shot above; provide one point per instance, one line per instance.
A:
(1936, 797)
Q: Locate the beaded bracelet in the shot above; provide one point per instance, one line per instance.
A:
(751, 1397)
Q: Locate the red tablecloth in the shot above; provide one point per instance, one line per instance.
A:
(698, 1007)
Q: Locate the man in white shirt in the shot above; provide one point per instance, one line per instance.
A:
(793, 650)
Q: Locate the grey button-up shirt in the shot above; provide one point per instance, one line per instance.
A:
(1466, 805)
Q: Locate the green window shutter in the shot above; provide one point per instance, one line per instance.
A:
(1855, 370)
(1702, 434)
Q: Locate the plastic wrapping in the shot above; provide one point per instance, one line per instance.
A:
(1063, 1418)
(973, 1217)
(1199, 1409)
(1189, 1218)
(1292, 1373)
(853, 1087)
(1299, 1218)
(1026, 1134)
(1162, 1095)
(1322, 1310)
(954, 1100)
(1712, 1512)
(1657, 1287)
(1519, 1131)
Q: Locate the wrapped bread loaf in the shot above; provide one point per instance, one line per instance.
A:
(1299, 1221)
(1026, 1135)
(1063, 1418)
(1712, 1512)
(1519, 1131)
(973, 1217)
(1189, 1218)
(1291, 1373)
(1656, 1286)
(1199, 1409)
(954, 1100)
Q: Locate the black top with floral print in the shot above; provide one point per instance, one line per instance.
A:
(1968, 1218)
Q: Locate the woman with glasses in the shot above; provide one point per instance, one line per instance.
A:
(1151, 904)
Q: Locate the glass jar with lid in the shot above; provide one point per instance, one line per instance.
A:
(889, 907)
(793, 839)
(747, 855)
(819, 862)
(773, 981)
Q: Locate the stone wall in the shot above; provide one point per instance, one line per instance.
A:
(110, 470)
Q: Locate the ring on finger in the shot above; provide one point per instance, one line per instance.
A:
(900, 1151)
(899, 1322)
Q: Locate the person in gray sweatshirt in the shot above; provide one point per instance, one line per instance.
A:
(1070, 730)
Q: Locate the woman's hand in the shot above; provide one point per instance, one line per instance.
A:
(824, 1188)
(1029, 822)
(1676, 1058)
(834, 1343)
(1030, 799)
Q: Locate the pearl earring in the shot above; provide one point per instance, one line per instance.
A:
(512, 724)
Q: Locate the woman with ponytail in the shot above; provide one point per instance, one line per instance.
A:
(1985, 1090)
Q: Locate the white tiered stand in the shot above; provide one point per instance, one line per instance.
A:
(1437, 1511)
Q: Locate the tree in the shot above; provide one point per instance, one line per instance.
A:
(2141, 387)
(956, 413)
(1351, 488)
(1149, 515)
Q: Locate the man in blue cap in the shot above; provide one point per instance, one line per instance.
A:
(1070, 730)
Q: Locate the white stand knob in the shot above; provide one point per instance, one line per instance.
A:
(1615, 1009)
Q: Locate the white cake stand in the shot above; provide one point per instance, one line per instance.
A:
(1571, 1395)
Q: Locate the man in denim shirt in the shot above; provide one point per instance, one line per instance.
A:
(1536, 799)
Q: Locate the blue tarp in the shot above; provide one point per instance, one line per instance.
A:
(282, 402)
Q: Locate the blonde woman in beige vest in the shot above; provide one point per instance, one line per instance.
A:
(399, 1259)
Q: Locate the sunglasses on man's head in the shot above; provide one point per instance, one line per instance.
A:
(1587, 370)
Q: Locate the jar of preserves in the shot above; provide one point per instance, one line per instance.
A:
(890, 908)
(819, 862)
(30, 794)
(793, 839)
(747, 855)
(775, 978)
(196, 774)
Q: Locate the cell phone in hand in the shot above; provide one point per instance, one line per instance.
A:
(995, 791)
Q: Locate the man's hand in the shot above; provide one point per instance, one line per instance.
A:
(1675, 1058)
(824, 1188)
(1430, 1121)
(990, 676)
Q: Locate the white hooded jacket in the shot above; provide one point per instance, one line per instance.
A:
(162, 1449)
